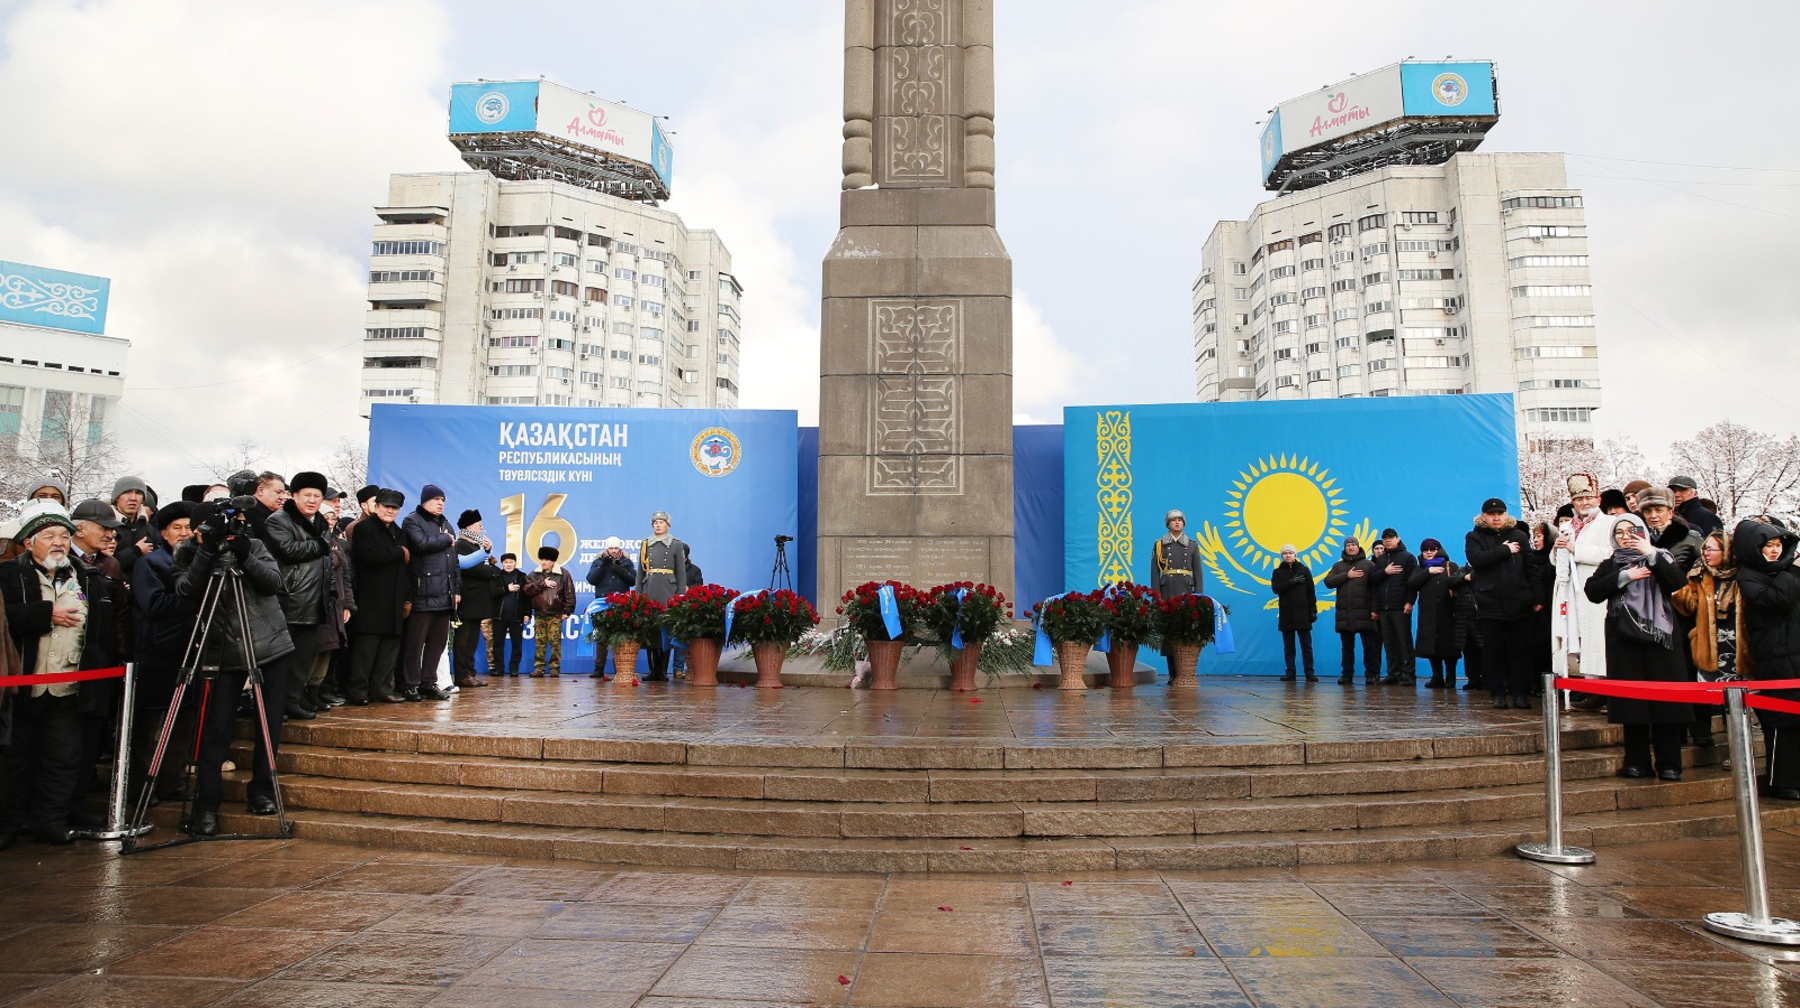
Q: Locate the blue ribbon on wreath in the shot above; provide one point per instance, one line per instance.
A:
(890, 611)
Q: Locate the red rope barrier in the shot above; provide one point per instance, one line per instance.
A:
(1585, 685)
(1773, 704)
(63, 677)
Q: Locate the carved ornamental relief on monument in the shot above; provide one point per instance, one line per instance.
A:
(915, 433)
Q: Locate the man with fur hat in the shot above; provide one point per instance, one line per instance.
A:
(1504, 568)
(136, 537)
(300, 539)
(1175, 559)
(610, 573)
(59, 614)
(550, 592)
(378, 562)
(662, 575)
(480, 578)
(1583, 542)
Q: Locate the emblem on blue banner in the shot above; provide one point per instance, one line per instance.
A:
(492, 107)
(1450, 89)
(715, 451)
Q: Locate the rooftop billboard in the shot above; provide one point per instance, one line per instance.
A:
(1401, 91)
(53, 299)
(564, 114)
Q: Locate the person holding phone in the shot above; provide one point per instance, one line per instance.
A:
(1636, 583)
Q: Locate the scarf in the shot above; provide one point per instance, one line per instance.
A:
(1436, 561)
(1644, 600)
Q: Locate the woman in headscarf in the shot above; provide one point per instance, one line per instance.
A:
(1769, 592)
(1635, 583)
(1543, 590)
(1435, 579)
(1717, 642)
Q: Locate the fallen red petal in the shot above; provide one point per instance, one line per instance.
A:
(946, 909)
(965, 848)
(1068, 883)
(843, 979)
(974, 699)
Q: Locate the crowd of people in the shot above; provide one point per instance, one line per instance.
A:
(278, 598)
(263, 597)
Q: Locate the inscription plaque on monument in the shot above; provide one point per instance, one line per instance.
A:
(915, 418)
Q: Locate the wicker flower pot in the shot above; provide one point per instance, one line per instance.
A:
(884, 663)
(769, 656)
(963, 666)
(1183, 660)
(625, 663)
(1071, 659)
(1121, 661)
(703, 661)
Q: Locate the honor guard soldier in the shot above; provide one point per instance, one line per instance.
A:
(1175, 560)
(662, 575)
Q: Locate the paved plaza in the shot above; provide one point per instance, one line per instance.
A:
(308, 924)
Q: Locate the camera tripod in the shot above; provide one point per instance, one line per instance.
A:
(222, 586)
(779, 575)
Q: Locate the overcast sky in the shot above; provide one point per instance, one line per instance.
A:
(218, 160)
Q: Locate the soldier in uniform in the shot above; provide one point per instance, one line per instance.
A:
(662, 574)
(1175, 560)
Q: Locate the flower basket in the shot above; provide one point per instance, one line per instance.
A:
(703, 661)
(964, 663)
(884, 663)
(769, 657)
(963, 613)
(1184, 659)
(1121, 663)
(861, 608)
(1131, 613)
(1185, 619)
(1073, 618)
(625, 656)
(628, 618)
(771, 617)
(1071, 661)
(698, 613)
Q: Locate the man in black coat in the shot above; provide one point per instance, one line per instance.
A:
(1296, 609)
(223, 543)
(164, 624)
(300, 540)
(1684, 493)
(610, 573)
(1394, 606)
(1504, 574)
(1769, 591)
(1354, 612)
(508, 622)
(383, 584)
(59, 614)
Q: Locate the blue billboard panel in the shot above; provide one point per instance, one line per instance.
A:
(1271, 143)
(1254, 477)
(662, 156)
(494, 107)
(1448, 89)
(570, 478)
(53, 299)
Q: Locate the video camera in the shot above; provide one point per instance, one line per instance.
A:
(229, 520)
(781, 539)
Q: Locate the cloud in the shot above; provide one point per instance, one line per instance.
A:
(217, 160)
(1044, 369)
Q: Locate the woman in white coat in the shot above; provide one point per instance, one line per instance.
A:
(1577, 625)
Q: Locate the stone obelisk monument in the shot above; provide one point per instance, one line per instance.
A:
(915, 397)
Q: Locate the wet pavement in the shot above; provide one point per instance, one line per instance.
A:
(308, 924)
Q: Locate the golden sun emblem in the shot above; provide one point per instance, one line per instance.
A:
(1283, 500)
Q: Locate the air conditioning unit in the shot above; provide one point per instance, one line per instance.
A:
(1431, 255)
(1538, 238)
(512, 268)
(1406, 227)
(586, 329)
(1449, 310)
(1339, 240)
(1439, 341)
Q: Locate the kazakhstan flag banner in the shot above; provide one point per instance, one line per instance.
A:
(1253, 477)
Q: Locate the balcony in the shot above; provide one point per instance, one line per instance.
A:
(406, 293)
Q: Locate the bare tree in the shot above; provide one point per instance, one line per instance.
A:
(1545, 468)
(73, 445)
(245, 453)
(1732, 464)
(347, 467)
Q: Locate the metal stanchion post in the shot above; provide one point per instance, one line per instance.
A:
(1552, 850)
(116, 827)
(1755, 924)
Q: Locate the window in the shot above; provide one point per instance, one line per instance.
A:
(389, 393)
(402, 276)
(652, 359)
(1339, 231)
(1428, 274)
(1415, 246)
(1344, 256)
(399, 362)
(1312, 264)
(596, 266)
(623, 355)
(524, 258)
(1345, 314)
(1380, 365)
(512, 341)
(1311, 292)
(1381, 336)
(1283, 298)
(1340, 286)
(1240, 293)
(1379, 276)
(1206, 304)
(558, 372)
(1286, 381)
(12, 409)
(1257, 312)
(624, 274)
(1312, 238)
(518, 286)
(1371, 251)
(1377, 306)
(651, 334)
(1285, 353)
(649, 388)
(1435, 361)
(1549, 231)
(1347, 370)
(1540, 202)
(565, 259)
(1242, 320)
(512, 370)
(1281, 272)
(1557, 383)
(1419, 217)
(1554, 290)
(693, 275)
(397, 332)
(1555, 321)
(1281, 328)
(1371, 222)
(619, 382)
(622, 303)
(1313, 348)
(516, 313)
(1256, 285)
(1346, 342)
(1315, 321)
(1240, 269)
(1323, 374)
(1284, 245)
(653, 307)
(650, 280)
(1530, 352)
(565, 288)
(594, 294)
(1547, 260)
(1563, 414)
(409, 248)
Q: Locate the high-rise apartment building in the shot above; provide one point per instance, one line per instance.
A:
(1421, 271)
(549, 277)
